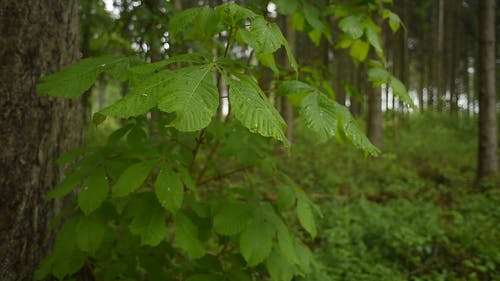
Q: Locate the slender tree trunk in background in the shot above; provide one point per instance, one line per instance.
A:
(354, 78)
(487, 156)
(38, 38)
(287, 109)
(374, 116)
(404, 67)
(451, 10)
(339, 62)
(155, 43)
(439, 62)
(422, 86)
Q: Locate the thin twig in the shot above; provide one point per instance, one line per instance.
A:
(221, 176)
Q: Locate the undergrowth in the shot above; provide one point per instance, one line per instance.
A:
(414, 213)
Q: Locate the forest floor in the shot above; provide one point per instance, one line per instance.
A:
(414, 213)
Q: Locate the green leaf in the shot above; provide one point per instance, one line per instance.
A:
(378, 76)
(290, 56)
(305, 215)
(286, 244)
(286, 7)
(352, 26)
(186, 236)
(256, 241)
(90, 233)
(234, 13)
(232, 218)
(94, 191)
(148, 221)
(141, 98)
(183, 19)
(286, 197)
(132, 178)
(320, 115)
(254, 111)
(169, 189)
(66, 186)
(373, 37)
(399, 90)
(74, 80)
(263, 36)
(313, 16)
(279, 267)
(268, 60)
(66, 257)
(348, 126)
(193, 96)
(394, 21)
(359, 50)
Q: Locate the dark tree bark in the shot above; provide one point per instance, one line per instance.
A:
(439, 62)
(38, 38)
(487, 156)
(374, 116)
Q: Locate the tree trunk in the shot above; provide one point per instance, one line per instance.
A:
(487, 156)
(38, 38)
(374, 116)
(441, 83)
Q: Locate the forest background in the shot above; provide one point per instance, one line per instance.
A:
(266, 174)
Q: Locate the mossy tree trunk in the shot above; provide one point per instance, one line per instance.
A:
(38, 38)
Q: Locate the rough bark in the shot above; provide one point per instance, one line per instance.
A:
(487, 156)
(38, 37)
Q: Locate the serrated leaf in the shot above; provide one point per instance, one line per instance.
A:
(359, 50)
(279, 267)
(186, 236)
(399, 90)
(232, 218)
(169, 189)
(89, 234)
(349, 127)
(94, 191)
(256, 241)
(183, 19)
(305, 215)
(193, 96)
(254, 111)
(132, 178)
(141, 97)
(320, 115)
(352, 26)
(235, 13)
(74, 80)
(290, 56)
(148, 221)
(263, 36)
